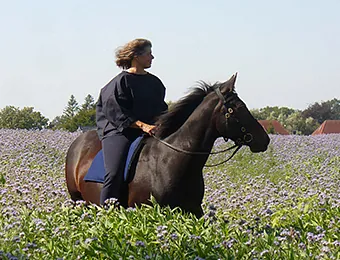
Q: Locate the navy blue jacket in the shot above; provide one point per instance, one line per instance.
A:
(129, 97)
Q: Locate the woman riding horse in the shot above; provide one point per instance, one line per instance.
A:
(170, 165)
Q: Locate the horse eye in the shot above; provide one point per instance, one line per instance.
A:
(230, 110)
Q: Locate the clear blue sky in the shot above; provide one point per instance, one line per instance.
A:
(287, 53)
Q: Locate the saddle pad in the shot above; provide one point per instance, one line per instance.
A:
(96, 171)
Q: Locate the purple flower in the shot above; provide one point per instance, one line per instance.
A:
(174, 236)
(140, 244)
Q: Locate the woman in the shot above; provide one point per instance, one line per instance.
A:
(127, 106)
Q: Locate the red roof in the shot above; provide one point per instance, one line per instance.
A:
(328, 127)
(277, 127)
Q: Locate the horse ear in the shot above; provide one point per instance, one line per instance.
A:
(233, 79)
(229, 85)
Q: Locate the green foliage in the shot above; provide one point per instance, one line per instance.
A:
(85, 118)
(89, 103)
(169, 103)
(271, 129)
(293, 120)
(72, 108)
(152, 232)
(301, 125)
(328, 110)
(2, 179)
(73, 117)
(14, 118)
(272, 113)
(56, 123)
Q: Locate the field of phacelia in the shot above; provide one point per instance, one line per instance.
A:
(281, 204)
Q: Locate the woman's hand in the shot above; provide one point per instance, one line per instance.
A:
(148, 129)
(144, 127)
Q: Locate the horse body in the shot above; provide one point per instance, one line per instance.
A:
(175, 180)
(172, 177)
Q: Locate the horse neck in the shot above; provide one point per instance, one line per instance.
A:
(197, 134)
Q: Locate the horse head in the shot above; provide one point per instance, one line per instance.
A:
(234, 121)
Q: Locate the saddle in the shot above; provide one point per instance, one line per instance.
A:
(96, 171)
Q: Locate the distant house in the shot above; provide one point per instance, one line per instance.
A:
(273, 127)
(328, 127)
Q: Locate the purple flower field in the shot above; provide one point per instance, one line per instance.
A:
(32, 167)
(293, 184)
(296, 172)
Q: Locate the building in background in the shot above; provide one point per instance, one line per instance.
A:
(328, 127)
(273, 127)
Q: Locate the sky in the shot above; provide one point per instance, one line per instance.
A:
(286, 53)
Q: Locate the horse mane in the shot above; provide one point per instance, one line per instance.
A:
(179, 112)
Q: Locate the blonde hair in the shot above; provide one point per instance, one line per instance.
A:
(126, 53)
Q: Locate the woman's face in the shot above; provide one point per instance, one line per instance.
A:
(145, 59)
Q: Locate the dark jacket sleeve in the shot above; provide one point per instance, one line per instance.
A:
(118, 104)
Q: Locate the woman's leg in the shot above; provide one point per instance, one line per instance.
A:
(115, 150)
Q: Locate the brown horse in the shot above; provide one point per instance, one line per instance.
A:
(170, 165)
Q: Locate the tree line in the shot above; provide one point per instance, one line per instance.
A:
(75, 116)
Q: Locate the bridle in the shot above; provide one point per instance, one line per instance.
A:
(247, 137)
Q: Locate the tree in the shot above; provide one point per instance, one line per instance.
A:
(84, 118)
(9, 116)
(56, 122)
(257, 114)
(323, 111)
(300, 125)
(271, 113)
(73, 117)
(72, 108)
(26, 118)
(170, 104)
(87, 114)
(335, 108)
(291, 119)
(66, 120)
(30, 119)
(88, 103)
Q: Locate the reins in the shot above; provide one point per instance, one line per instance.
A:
(190, 152)
(232, 155)
(238, 146)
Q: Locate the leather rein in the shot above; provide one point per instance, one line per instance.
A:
(247, 138)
